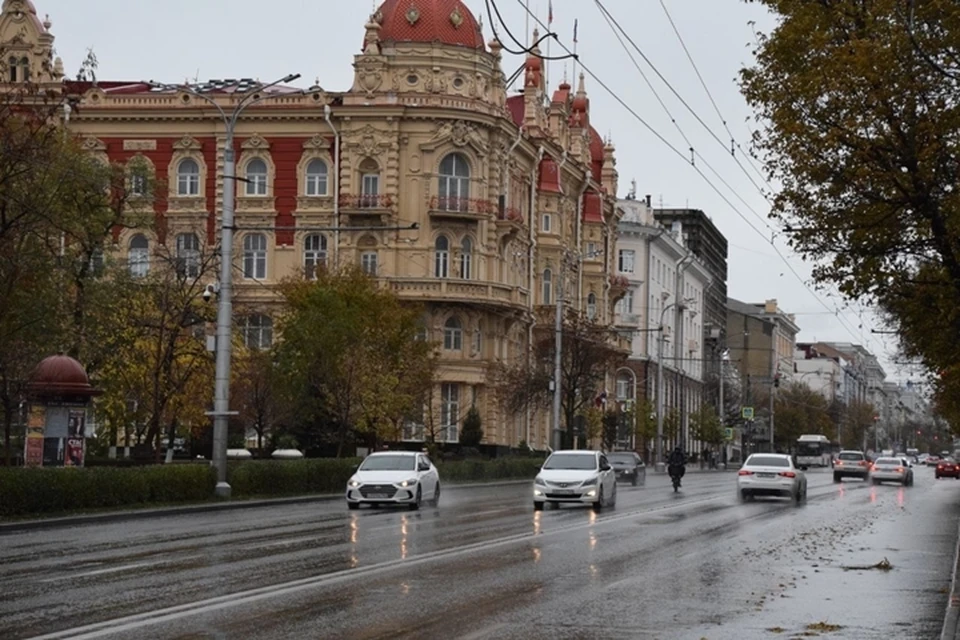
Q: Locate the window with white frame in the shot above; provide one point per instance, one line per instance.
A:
(441, 257)
(453, 334)
(547, 286)
(546, 222)
(592, 306)
(454, 183)
(368, 262)
(255, 256)
(314, 254)
(188, 255)
(591, 252)
(626, 260)
(138, 182)
(139, 256)
(626, 303)
(624, 386)
(188, 178)
(466, 258)
(96, 262)
(450, 410)
(257, 331)
(316, 178)
(256, 177)
(369, 183)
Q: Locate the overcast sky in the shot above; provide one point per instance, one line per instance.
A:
(178, 39)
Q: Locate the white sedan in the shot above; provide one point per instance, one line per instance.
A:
(581, 477)
(771, 474)
(394, 477)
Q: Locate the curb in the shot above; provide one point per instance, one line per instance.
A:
(951, 619)
(143, 514)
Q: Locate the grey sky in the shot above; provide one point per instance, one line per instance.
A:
(178, 39)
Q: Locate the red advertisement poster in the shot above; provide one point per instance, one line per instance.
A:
(33, 449)
(73, 456)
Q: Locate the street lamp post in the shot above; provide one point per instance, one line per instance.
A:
(658, 454)
(221, 403)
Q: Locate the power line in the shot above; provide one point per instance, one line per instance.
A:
(722, 196)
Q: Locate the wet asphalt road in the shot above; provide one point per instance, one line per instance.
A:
(696, 564)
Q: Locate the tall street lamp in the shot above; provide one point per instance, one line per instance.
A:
(681, 306)
(221, 402)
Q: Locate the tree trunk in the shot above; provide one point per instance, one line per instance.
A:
(7, 426)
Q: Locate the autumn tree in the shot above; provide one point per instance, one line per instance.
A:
(799, 410)
(254, 394)
(858, 423)
(705, 426)
(610, 432)
(350, 355)
(587, 356)
(860, 125)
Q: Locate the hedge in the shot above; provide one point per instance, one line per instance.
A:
(56, 490)
(28, 491)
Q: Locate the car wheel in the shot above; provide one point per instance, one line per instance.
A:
(744, 496)
(416, 504)
(353, 506)
(537, 506)
(636, 478)
(836, 477)
(436, 496)
(613, 498)
(598, 505)
(937, 476)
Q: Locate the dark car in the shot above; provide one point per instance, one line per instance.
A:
(947, 468)
(851, 464)
(628, 466)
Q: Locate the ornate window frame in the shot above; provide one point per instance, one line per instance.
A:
(316, 148)
(186, 148)
(256, 147)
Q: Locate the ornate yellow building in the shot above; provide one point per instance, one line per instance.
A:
(424, 172)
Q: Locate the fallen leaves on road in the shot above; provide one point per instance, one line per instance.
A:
(823, 627)
(776, 629)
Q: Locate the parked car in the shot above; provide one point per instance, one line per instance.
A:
(575, 477)
(890, 469)
(851, 464)
(771, 474)
(947, 468)
(394, 477)
(628, 466)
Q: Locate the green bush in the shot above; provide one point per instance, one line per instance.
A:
(485, 470)
(290, 477)
(53, 490)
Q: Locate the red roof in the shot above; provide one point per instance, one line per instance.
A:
(596, 154)
(60, 374)
(516, 107)
(549, 176)
(444, 21)
(592, 207)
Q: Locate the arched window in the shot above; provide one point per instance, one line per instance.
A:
(12, 69)
(316, 178)
(188, 255)
(256, 177)
(369, 183)
(188, 178)
(453, 335)
(255, 256)
(625, 390)
(466, 258)
(592, 306)
(24, 70)
(454, 186)
(314, 254)
(441, 257)
(257, 331)
(547, 286)
(139, 257)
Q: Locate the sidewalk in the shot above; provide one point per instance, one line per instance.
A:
(207, 507)
(951, 621)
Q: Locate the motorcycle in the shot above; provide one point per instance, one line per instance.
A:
(675, 474)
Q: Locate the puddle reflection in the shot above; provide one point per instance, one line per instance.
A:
(537, 525)
(873, 494)
(404, 520)
(901, 496)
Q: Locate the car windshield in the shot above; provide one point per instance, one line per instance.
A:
(388, 463)
(575, 461)
(621, 457)
(889, 461)
(851, 456)
(767, 461)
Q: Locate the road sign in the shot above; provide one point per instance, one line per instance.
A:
(728, 433)
(747, 413)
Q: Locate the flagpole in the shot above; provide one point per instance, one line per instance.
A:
(546, 63)
(526, 28)
(576, 23)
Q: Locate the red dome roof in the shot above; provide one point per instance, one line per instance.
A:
(443, 21)
(60, 375)
(596, 154)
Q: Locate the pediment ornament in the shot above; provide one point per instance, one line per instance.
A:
(256, 141)
(187, 142)
(92, 143)
(317, 142)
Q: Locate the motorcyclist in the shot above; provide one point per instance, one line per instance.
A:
(676, 463)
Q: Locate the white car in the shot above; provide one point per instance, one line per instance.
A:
(890, 469)
(394, 477)
(581, 477)
(771, 474)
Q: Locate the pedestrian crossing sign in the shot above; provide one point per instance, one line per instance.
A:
(728, 433)
(747, 413)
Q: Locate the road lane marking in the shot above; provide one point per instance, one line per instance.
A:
(249, 596)
(98, 572)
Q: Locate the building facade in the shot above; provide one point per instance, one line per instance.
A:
(424, 173)
(662, 310)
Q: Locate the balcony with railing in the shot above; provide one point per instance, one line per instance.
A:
(366, 204)
(461, 208)
(454, 290)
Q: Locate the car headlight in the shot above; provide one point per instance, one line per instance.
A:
(589, 481)
(540, 481)
(353, 482)
(409, 483)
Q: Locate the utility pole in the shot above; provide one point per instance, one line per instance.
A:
(221, 404)
(558, 357)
